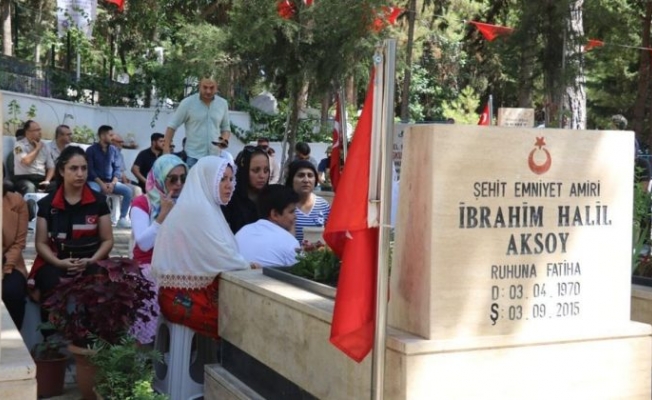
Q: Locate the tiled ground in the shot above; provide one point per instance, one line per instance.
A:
(120, 248)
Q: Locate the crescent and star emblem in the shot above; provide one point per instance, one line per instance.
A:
(539, 168)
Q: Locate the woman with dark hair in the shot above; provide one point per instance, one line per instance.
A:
(312, 210)
(251, 177)
(73, 225)
(14, 235)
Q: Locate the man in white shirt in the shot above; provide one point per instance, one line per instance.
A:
(270, 241)
(62, 138)
(33, 166)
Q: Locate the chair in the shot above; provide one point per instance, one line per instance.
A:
(181, 374)
(114, 200)
(33, 198)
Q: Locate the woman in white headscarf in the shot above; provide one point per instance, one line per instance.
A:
(195, 245)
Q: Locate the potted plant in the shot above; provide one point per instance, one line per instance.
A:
(124, 370)
(316, 270)
(102, 303)
(50, 364)
(317, 262)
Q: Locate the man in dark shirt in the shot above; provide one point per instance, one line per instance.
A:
(145, 159)
(182, 154)
(104, 172)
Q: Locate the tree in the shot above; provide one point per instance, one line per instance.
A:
(5, 16)
(574, 98)
(312, 46)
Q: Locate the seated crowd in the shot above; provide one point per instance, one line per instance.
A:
(188, 224)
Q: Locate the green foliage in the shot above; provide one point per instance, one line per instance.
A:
(83, 134)
(50, 348)
(273, 126)
(641, 223)
(125, 370)
(462, 109)
(318, 263)
(15, 121)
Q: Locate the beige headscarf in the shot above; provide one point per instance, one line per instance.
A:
(195, 243)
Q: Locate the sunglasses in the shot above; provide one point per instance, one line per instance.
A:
(174, 179)
(249, 149)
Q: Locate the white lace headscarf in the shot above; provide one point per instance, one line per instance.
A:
(195, 243)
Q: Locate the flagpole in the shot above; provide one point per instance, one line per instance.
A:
(387, 131)
(343, 133)
(491, 109)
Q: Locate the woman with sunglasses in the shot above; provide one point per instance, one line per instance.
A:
(164, 183)
(251, 177)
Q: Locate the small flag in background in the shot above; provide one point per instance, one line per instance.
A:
(355, 242)
(334, 165)
(490, 32)
(119, 3)
(485, 118)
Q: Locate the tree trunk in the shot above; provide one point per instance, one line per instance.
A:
(5, 13)
(575, 92)
(405, 94)
(528, 50)
(552, 60)
(351, 95)
(325, 104)
(39, 37)
(643, 73)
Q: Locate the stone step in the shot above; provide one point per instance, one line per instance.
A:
(219, 384)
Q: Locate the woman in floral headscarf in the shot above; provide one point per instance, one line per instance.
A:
(195, 245)
(164, 183)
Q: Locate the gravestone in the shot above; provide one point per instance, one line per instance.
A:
(513, 264)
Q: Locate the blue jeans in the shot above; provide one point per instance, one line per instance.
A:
(120, 189)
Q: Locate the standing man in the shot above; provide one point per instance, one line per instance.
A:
(145, 159)
(33, 167)
(62, 138)
(104, 172)
(206, 119)
(119, 142)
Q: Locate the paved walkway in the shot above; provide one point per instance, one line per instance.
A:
(120, 249)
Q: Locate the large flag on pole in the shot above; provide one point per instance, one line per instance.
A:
(334, 165)
(349, 233)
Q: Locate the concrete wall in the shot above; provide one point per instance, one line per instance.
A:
(125, 121)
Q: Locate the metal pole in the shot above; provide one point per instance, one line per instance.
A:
(78, 65)
(491, 109)
(387, 129)
(344, 135)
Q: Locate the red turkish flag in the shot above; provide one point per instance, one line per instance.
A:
(387, 16)
(485, 118)
(334, 165)
(592, 43)
(348, 233)
(119, 3)
(490, 32)
(285, 9)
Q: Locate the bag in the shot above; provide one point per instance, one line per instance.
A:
(84, 247)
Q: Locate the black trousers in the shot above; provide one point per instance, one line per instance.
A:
(14, 292)
(30, 184)
(48, 277)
